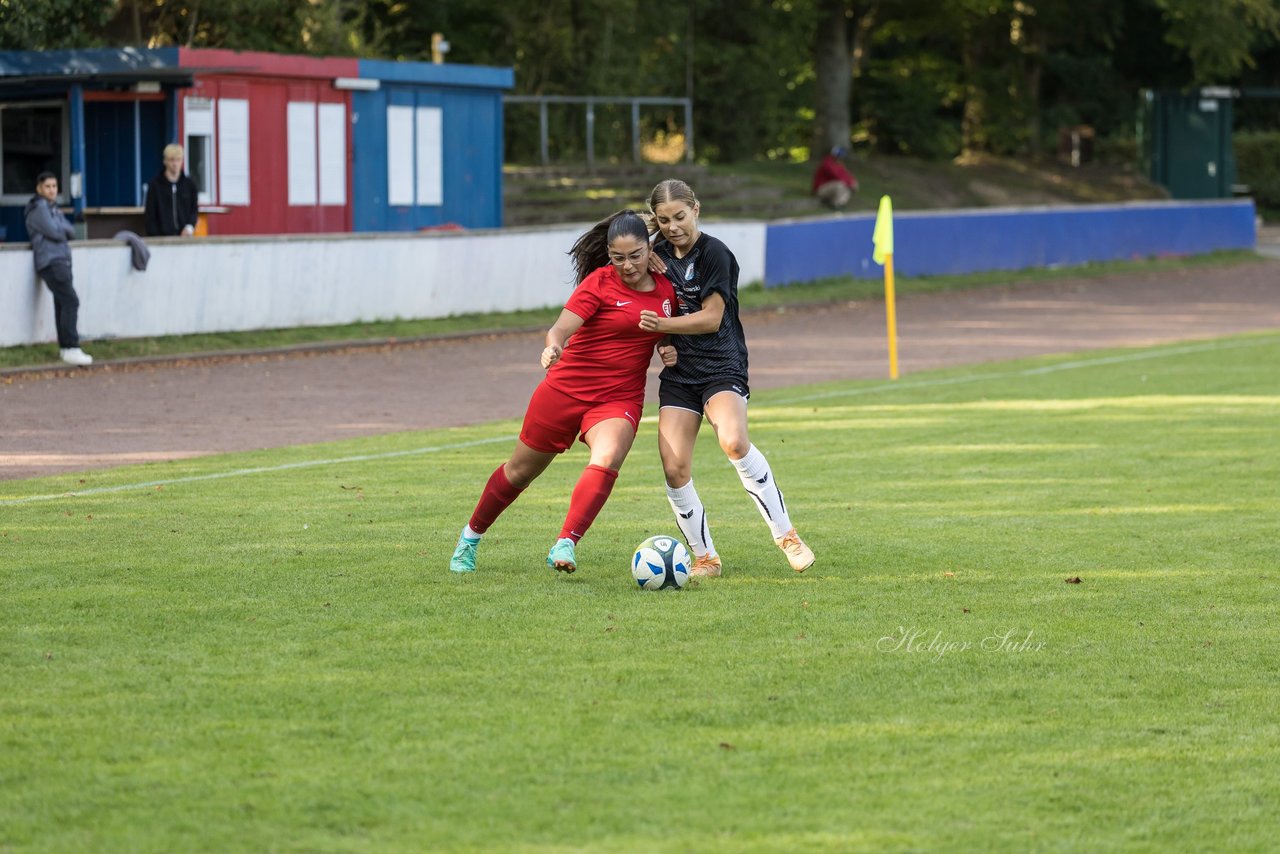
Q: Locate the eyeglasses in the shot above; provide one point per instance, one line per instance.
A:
(618, 259)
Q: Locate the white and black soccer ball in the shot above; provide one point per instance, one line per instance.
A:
(661, 563)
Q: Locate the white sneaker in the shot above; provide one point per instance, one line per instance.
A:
(707, 566)
(76, 356)
(798, 554)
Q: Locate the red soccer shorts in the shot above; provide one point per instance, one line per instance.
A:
(554, 419)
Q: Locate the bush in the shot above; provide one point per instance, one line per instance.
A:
(910, 107)
(1117, 151)
(1258, 165)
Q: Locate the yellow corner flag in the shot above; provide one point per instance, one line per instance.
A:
(883, 237)
(883, 254)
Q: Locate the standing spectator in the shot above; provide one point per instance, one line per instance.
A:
(50, 232)
(172, 199)
(833, 184)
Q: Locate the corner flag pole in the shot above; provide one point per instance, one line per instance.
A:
(883, 254)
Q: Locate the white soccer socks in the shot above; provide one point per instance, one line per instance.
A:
(757, 479)
(691, 516)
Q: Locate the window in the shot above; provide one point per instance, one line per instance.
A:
(430, 156)
(399, 156)
(301, 124)
(198, 122)
(415, 156)
(233, 151)
(333, 154)
(317, 153)
(33, 139)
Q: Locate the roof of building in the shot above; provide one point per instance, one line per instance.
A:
(124, 65)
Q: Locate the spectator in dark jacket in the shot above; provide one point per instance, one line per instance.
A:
(172, 199)
(50, 232)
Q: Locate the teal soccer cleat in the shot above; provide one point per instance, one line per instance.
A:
(464, 556)
(562, 557)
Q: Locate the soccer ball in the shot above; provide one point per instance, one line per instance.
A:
(661, 562)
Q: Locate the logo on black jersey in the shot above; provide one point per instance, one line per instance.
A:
(688, 272)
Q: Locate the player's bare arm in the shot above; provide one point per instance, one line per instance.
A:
(558, 336)
(702, 322)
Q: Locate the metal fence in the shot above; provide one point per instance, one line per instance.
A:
(591, 102)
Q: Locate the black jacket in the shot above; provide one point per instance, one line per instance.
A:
(171, 207)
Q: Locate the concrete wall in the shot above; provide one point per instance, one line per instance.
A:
(230, 284)
(242, 283)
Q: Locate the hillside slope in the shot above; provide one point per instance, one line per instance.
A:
(570, 193)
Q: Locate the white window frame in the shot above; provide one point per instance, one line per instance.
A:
(331, 152)
(301, 153)
(206, 195)
(400, 181)
(429, 157)
(233, 187)
(415, 156)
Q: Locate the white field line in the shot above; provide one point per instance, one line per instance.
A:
(1030, 372)
(301, 464)
(894, 386)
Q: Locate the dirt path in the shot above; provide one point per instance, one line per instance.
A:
(118, 416)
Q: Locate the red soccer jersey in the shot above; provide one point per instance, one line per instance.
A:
(607, 359)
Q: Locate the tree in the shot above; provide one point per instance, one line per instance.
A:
(1220, 37)
(286, 26)
(52, 24)
(833, 77)
(769, 77)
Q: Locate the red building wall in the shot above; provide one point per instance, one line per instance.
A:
(269, 83)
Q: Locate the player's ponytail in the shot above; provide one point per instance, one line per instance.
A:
(591, 251)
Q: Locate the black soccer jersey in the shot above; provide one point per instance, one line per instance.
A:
(708, 268)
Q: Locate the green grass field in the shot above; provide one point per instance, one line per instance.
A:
(265, 652)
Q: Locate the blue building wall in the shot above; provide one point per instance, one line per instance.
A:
(13, 228)
(471, 100)
(101, 135)
(953, 242)
(128, 139)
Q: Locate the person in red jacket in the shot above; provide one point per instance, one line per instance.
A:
(597, 358)
(833, 184)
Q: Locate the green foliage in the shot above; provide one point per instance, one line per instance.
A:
(752, 76)
(287, 26)
(932, 78)
(1117, 151)
(910, 106)
(1221, 36)
(52, 24)
(265, 652)
(1258, 165)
